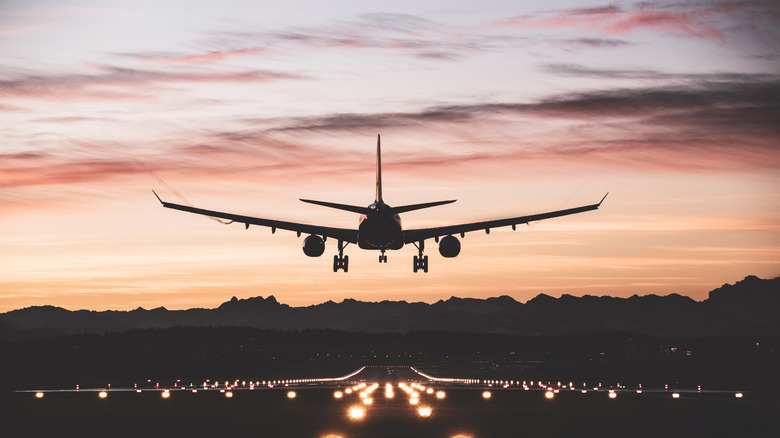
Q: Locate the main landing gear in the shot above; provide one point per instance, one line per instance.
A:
(383, 257)
(341, 261)
(420, 262)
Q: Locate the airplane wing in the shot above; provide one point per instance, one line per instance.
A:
(416, 235)
(345, 234)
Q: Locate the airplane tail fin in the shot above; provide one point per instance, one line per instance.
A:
(378, 172)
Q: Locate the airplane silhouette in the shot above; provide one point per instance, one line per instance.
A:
(380, 226)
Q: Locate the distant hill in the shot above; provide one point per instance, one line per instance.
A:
(749, 307)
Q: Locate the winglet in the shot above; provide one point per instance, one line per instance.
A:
(158, 198)
(602, 199)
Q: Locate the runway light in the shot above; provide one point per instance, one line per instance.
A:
(486, 395)
(291, 395)
(348, 390)
(424, 411)
(38, 395)
(429, 390)
(338, 394)
(102, 394)
(440, 395)
(676, 395)
(738, 395)
(356, 413)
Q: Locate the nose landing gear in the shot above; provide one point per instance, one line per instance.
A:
(383, 257)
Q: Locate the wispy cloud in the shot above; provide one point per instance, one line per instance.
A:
(693, 19)
(214, 56)
(123, 83)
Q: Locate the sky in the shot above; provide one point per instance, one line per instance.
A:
(512, 108)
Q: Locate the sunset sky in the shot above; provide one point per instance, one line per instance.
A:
(512, 108)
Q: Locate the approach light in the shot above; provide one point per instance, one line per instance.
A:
(229, 394)
(549, 395)
(291, 395)
(676, 395)
(338, 394)
(102, 394)
(424, 411)
(38, 395)
(356, 413)
(738, 395)
(486, 395)
(440, 395)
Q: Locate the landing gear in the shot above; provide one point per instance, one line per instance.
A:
(420, 262)
(341, 261)
(383, 257)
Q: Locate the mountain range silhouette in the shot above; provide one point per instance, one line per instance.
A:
(749, 307)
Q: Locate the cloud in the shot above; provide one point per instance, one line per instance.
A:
(123, 83)
(719, 122)
(709, 20)
(207, 57)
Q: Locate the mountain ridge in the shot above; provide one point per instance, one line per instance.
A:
(748, 307)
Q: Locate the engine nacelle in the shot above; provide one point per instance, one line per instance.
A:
(313, 246)
(449, 246)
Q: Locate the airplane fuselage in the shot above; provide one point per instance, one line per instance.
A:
(380, 228)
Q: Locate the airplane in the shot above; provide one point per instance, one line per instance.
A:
(379, 227)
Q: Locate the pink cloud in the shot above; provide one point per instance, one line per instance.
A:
(699, 22)
(208, 57)
(121, 83)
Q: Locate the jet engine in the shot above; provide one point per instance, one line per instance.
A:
(313, 246)
(449, 246)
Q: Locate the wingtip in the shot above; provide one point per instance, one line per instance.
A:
(602, 199)
(158, 197)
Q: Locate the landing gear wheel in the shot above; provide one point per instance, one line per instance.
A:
(346, 263)
(335, 263)
(425, 264)
(416, 264)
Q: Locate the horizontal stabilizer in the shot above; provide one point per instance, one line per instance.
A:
(412, 207)
(352, 208)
